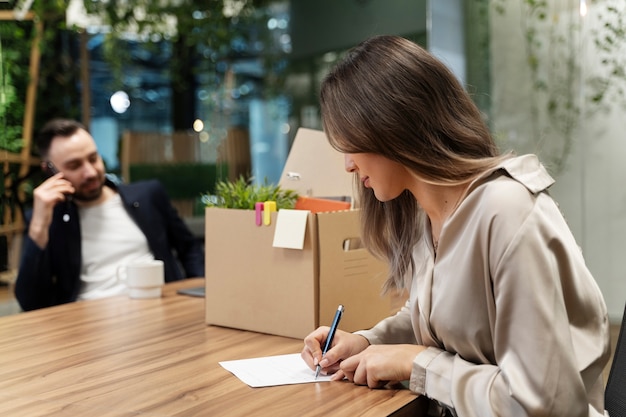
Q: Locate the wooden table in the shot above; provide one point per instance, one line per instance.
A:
(125, 357)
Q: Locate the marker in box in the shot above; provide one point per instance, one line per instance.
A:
(268, 208)
(258, 208)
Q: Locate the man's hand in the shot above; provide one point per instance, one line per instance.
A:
(45, 197)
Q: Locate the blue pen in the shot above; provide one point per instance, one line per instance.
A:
(331, 335)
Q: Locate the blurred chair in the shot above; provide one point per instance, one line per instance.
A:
(615, 392)
(173, 159)
(157, 148)
(235, 152)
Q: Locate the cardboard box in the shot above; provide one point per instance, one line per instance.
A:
(252, 285)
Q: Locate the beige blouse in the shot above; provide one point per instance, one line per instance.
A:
(514, 322)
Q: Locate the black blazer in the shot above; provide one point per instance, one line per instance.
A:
(52, 276)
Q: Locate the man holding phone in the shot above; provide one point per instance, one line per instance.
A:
(83, 227)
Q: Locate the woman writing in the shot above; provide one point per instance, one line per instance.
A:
(503, 317)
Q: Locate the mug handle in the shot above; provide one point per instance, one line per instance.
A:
(121, 276)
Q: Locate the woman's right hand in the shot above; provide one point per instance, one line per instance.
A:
(344, 345)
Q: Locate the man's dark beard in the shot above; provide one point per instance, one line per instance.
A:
(89, 197)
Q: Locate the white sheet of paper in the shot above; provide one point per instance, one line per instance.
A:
(290, 228)
(271, 371)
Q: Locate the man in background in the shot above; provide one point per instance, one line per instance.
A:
(83, 227)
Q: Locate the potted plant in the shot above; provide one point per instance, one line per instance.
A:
(244, 194)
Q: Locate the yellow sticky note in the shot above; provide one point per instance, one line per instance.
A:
(290, 229)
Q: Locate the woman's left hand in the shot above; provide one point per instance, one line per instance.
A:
(379, 365)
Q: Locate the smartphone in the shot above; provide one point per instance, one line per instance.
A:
(51, 170)
(193, 292)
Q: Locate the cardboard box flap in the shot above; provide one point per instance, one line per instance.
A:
(314, 168)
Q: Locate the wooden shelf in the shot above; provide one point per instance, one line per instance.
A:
(10, 228)
(17, 158)
(8, 277)
(10, 15)
(13, 222)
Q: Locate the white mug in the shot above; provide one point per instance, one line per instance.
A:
(144, 279)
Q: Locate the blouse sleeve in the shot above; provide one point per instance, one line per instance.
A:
(392, 330)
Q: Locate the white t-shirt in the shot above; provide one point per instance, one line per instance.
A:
(110, 239)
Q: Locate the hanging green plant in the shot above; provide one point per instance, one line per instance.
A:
(203, 32)
(553, 35)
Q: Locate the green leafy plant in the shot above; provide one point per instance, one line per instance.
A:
(203, 40)
(13, 80)
(243, 194)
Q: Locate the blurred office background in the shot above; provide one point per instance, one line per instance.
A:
(236, 79)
